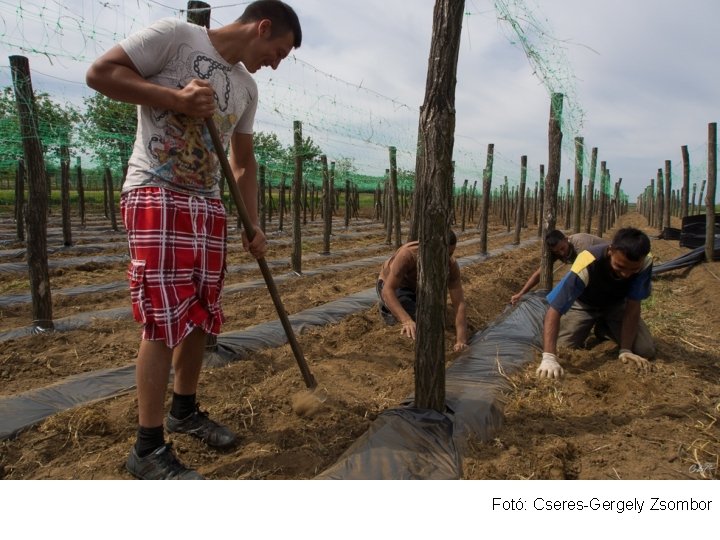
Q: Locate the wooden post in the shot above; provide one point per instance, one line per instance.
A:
(437, 125)
(541, 199)
(659, 212)
(685, 195)
(487, 181)
(388, 208)
(348, 209)
(261, 197)
(334, 194)
(700, 197)
(551, 185)
(394, 196)
(651, 202)
(37, 207)
(81, 192)
(520, 209)
(711, 186)
(694, 193)
(568, 202)
(296, 256)
(281, 202)
(304, 201)
(20, 201)
(602, 201)
(577, 200)
(463, 205)
(110, 191)
(668, 193)
(65, 193)
(591, 191)
(327, 206)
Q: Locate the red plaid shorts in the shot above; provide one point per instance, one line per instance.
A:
(177, 262)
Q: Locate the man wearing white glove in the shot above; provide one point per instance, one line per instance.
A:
(605, 285)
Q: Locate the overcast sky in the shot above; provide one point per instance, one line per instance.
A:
(641, 76)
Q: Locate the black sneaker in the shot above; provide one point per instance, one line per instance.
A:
(162, 464)
(199, 425)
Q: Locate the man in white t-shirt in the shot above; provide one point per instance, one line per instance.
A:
(180, 74)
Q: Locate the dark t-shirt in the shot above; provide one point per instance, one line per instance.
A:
(592, 282)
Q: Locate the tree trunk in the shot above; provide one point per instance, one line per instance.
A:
(685, 195)
(65, 194)
(668, 193)
(711, 186)
(296, 255)
(395, 196)
(20, 201)
(551, 185)
(327, 206)
(487, 182)
(110, 196)
(520, 209)
(577, 201)
(437, 126)
(37, 206)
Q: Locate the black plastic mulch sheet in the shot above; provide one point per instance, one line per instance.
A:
(691, 258)
(23, 410)
(401, 444)
(406, 442)
(69, 262)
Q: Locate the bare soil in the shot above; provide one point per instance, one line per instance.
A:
(603, 420)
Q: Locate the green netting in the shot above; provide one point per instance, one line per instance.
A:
(352, 124)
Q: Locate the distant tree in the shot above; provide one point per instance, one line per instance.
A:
(270, 152)
(312, 167)
(345, 166)
(56, 124)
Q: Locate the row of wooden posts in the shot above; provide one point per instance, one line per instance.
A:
(510, 205)
(659, 201)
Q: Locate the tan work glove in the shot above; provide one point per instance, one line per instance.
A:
(641, 363)
(549, 368)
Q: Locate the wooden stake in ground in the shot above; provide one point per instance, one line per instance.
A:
(711, 186)
(591, 191)
(551, 185)
(435, 149)
(520, 208)
(395, 196)
(685, 194)
(487, 182)
(296, 256)
(577, 200)
(37, 206)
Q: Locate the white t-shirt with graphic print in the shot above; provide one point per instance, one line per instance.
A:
(173, 150)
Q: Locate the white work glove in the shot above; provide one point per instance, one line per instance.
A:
(641, 363)
(549, 368)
